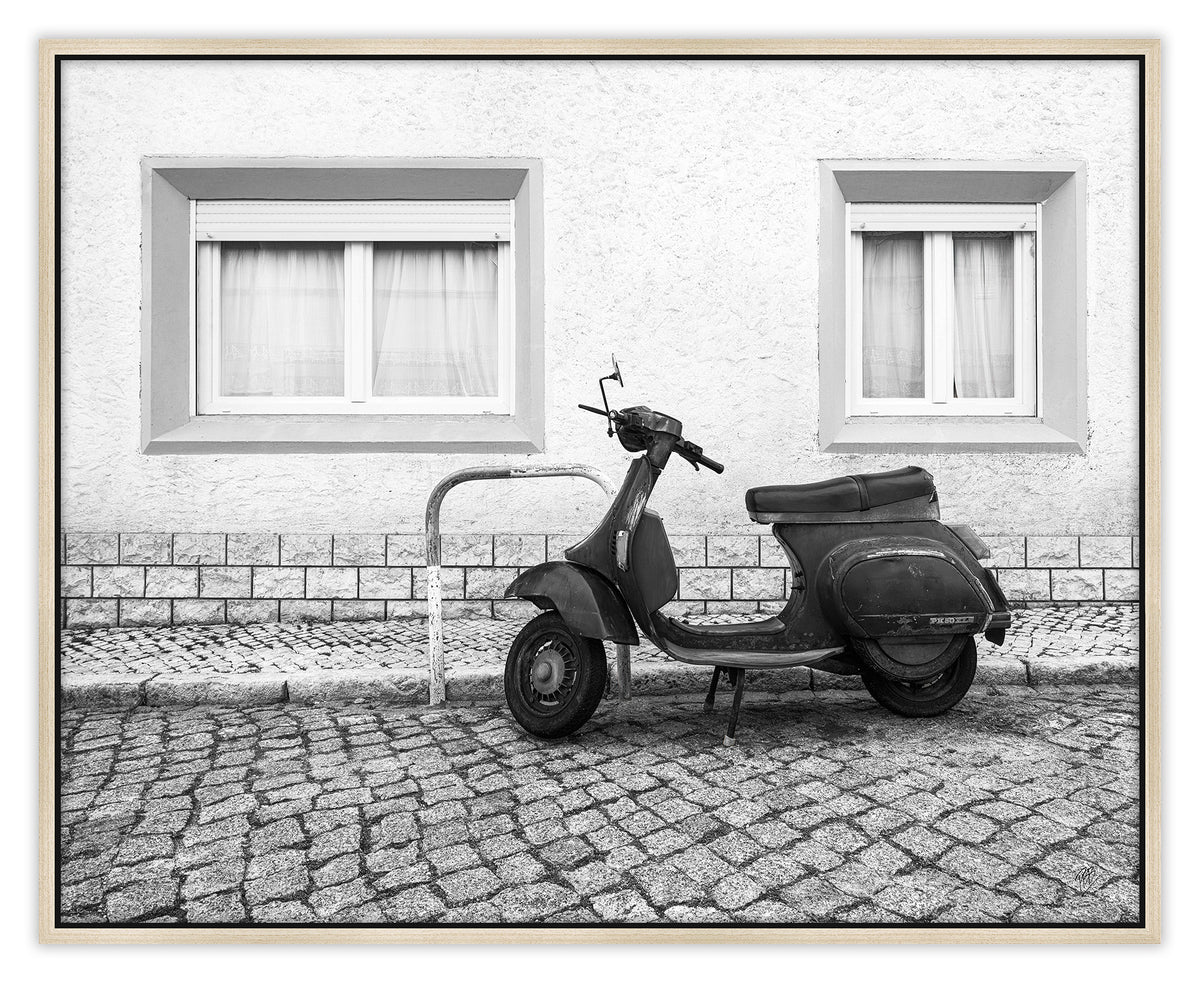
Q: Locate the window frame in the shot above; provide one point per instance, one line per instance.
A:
(170, 423)
(937, 223)
(1060, 187)
(358, 261)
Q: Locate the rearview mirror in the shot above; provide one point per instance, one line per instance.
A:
(616, 372)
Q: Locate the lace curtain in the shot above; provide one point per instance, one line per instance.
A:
(282, 313)
(435, 330)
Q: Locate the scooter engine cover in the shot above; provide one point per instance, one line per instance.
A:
(901, 588)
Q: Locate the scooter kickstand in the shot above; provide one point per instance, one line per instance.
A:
(739, 687)
(712, 690)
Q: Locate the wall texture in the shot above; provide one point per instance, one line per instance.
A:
(681, 207)
(210, 578)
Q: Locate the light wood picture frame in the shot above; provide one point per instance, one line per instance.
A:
(1143, 51)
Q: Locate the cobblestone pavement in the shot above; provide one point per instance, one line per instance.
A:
(1018, 806)
(1037, 634)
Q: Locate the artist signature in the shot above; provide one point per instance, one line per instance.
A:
(1086, 879)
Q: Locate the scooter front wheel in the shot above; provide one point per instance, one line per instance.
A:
(554, 678)
(927, 697)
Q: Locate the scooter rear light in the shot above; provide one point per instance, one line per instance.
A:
(971, 541)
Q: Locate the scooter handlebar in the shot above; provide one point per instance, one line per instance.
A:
(695, 456)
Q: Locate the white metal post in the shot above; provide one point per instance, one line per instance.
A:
(433, 558)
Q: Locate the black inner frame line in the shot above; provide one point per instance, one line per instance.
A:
(57, 454)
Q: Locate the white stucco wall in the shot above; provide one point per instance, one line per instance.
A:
(681, 212)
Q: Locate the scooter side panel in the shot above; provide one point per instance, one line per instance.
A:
(587, 602)
(903, 586)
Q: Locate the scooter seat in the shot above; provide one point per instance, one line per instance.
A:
(853, 493)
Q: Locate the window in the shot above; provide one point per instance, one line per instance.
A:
(354, 307)
(942, 303)
(952, 306)
(301, 305)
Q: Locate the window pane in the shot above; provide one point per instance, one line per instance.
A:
(436, 314)
(893, 315)
(282, 319)
(983, 316)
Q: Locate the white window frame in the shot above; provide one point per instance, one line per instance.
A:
(937, 223)
(358, 225)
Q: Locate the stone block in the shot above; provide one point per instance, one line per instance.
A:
(771, 554)
(488, 582)
(1105, 551)
(225, 581)
(558, 543)
(83, 613)
(1076, 670)
(102, 689)
(1007, 551)
(1051, 551)
(75, 581)
(221, 689)
(405, 550)
(138, 612)
(172, 582)
(474, 684)
(197, 612)
(467, 550)
(145, 547)
(453, 582)
(515, 609)
(732, 551)
(466, 609)
(682, 609)
(251, 612)
(759, 584)
(255, 549)
(297, 550)
(525, 550)
(405, 610)
(709, 584)
(119, 581)
(305, 610)
(410, 686)
(360, 550)
(1025, 585)
(92, 548)
(689, 551)
(1076, 585)
(359, 610)
(332, 582)
(207, 548)
(1121, 585)
(731, 607)
(385, 583)
(277, 582)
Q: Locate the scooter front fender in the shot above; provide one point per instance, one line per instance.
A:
(587, 602)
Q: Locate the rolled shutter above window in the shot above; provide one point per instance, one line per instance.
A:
(355, 221)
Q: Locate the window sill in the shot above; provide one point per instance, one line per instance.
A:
(310, 434)
(904, 435)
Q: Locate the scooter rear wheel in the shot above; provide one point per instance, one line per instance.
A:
(928, 697)
(554, 678)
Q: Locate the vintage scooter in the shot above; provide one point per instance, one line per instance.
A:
(880, 589)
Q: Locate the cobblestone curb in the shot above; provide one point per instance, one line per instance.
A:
(384, 662)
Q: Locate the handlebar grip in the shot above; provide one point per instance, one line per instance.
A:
(709, 463)
(592, 409)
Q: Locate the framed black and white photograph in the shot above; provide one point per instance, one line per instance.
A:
(833, 612)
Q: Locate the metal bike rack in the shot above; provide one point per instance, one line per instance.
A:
(433, 559)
